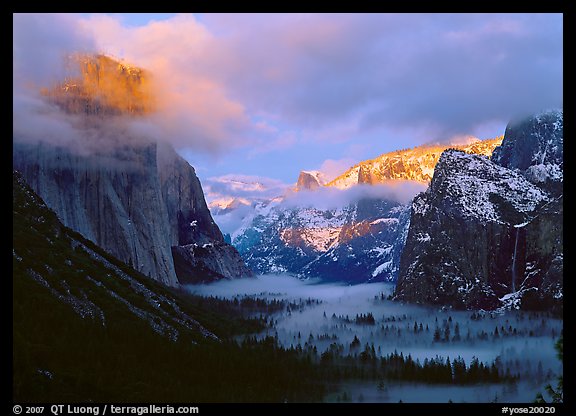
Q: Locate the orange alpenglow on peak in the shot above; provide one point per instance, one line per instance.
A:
(416, 164)
(103, 86)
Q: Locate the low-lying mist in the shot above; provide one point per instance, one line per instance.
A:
(326, 198)
(351, 319)
(291, 288)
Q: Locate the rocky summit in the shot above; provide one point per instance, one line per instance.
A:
(310, 180)
(534, 146)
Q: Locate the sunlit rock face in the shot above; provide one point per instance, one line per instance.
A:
(488, 232)
(310, 180)
(416, 164)
(101, 85)
(133, 196)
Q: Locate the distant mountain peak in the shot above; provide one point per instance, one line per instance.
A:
(310, 180)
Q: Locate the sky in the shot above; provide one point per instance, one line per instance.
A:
(264, 96)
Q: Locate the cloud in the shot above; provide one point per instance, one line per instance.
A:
(328, 198)
(193, 110)
(288, 287)
(40, 46)
(462, 139)
(39, 50)
(275, 82)
(247, 190)
(283, 140)
(332, 168)
(242, 193)
(440, 75)
(250, 187)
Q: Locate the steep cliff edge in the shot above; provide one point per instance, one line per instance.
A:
(135, 197)
(189, 218)
(131, 202)
(489, 235)
(113, 200)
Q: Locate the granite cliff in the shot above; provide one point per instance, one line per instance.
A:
(134, 197)
(487, 233)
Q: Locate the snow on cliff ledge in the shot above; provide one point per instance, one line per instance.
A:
(478, 188)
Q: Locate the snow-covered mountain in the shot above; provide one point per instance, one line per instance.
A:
(357, 242)
(359, 238)
(416, 164)
(534, 147)
(224, 205)
(487, 233)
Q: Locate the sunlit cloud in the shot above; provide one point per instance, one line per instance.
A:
(271, 83)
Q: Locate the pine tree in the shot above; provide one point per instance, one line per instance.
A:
(447, 334)
(448, 371)
(456, 332)
(355, 342)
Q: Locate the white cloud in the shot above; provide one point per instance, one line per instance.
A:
(273, 82)
(250, 187)
(327, 198)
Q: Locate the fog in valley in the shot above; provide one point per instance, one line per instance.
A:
(354, 320)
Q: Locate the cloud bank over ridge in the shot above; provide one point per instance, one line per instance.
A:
(281, 82)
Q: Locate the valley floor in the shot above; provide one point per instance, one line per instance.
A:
(339, 325)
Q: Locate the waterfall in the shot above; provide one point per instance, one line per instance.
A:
(514, 262)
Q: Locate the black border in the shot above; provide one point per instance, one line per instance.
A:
(549, 6)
